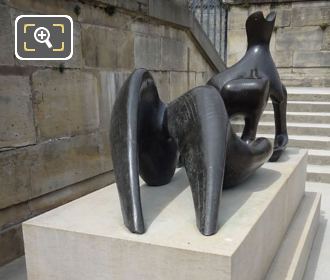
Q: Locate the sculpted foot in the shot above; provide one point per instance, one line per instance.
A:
(199, 121)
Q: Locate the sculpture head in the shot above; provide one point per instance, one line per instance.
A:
(259, 29)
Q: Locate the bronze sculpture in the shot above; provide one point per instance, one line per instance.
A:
(147, 136)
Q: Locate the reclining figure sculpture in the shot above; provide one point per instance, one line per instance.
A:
(148, 136)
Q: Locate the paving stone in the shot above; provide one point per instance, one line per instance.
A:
(147, 52)
(118, 53)
(6, 37)
(305, 14)
(11, 244)
(173, 55)
(311, 59)
(66, 103)
(16, 114)
(307, 38)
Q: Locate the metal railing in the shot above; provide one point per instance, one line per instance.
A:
(212, 16)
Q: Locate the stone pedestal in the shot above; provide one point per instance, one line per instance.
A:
(86, 239)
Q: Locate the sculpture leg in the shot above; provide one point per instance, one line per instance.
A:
(200, 124)
(281, 135)
(250, 128)
(140, 143)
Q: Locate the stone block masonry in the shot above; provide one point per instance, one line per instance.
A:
(54, 116)
(300, 42)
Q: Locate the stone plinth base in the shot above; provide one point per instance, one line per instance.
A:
(86, 239)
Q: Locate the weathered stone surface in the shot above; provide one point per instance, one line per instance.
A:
(178, 84)
(53, 7)
(173, 55)
(304, 14)
(311, 59)
(111, 83)
(15, 176)
(236, 45)
(148, 28)
(6, 37)
(307, 38)
(66, 103)
(16, 114)
(326, 39)
(98, 16)
(107, 48)
(237, 17)
(265, 8)
(14, 215)
(66, 161)
(282, 58)
(196, 61)
(191, 80)
(201, 79)
(162, 80)
(283, 12)
(29, 172)
(312, 71)
(283, 17)
(11, 244)
(147, 52)
(54, 199)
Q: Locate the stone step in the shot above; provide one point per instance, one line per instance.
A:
(318, 173)
(292, 256)
(308, 94)
(293, 128)
(304, 117)
(319, 157)
(305, 142)
(304, 106)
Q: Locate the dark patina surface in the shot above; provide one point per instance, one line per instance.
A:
(148, 136)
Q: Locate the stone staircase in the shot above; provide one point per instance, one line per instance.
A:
(308, 119)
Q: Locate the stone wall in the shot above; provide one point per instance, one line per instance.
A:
(300, 43)
(54, 118)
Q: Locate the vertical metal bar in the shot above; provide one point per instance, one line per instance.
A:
(202, 12)
(214, 20)
(208, 16)
(225, 39)
(194, 6)
(220, 35)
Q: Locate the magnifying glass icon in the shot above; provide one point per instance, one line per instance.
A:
(41, 35)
